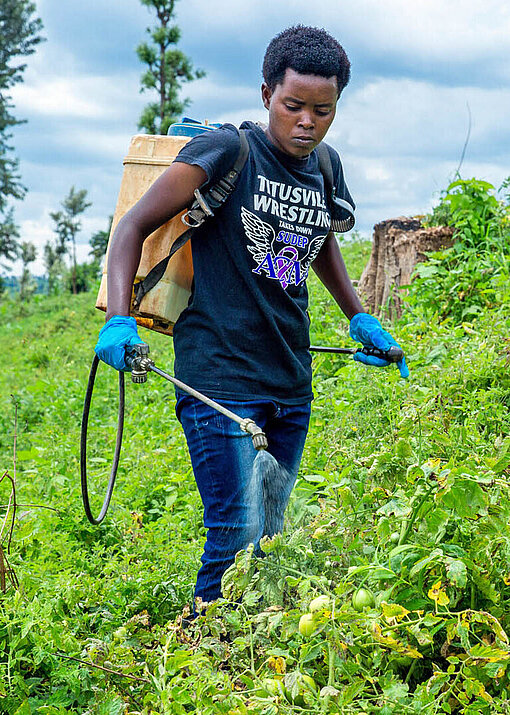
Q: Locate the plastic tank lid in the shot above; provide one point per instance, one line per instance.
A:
(190, 128)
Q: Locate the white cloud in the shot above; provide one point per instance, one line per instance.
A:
(56, 97)
(77, 96)
(432, 30)
(40, 231)
(212, 88)
(410, 117)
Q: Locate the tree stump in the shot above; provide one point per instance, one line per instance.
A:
(398, 245)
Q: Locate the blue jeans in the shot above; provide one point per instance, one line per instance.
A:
(240, 504)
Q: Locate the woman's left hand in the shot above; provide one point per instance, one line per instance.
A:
(366, 329)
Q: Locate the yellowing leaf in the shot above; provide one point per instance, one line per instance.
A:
(393, 643)
(474, 688)
(489, 653)
(488, 619)
(385, 639)
(277, 664)
(437, 595)
(410, 651)
(393, 611)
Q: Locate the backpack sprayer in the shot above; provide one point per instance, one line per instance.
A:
(141, 364)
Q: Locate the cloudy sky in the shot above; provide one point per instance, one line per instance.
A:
(419, 68)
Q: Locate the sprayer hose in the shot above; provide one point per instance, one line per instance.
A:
(83, 446)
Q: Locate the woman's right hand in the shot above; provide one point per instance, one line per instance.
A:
(118, 334)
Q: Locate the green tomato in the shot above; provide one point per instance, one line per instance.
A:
(319, 604)
(309, 681)
(306, 624)
(395, 537)
(362, 598)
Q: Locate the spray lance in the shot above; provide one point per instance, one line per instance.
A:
(137, 358)
(139, 361)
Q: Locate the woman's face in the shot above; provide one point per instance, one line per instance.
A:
(301, 110)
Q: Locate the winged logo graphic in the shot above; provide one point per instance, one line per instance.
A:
(273, 255)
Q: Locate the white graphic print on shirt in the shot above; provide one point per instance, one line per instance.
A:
(285, 256)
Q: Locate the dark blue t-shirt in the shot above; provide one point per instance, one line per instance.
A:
(245, 332)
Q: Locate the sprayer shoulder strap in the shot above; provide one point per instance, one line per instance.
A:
(337, 224)
(326, 168)
(203, 207)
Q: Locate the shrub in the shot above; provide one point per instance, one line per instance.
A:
(460, 281)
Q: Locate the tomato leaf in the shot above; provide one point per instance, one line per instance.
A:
(456, 571)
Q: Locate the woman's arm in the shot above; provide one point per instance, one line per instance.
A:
(169, 195)
(330, 268)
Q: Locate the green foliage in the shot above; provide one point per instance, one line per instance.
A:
(99, 242)
(55, 266)
(402, 492)
(461, 281)
(168, 68)
(9, 235)
(86, 277)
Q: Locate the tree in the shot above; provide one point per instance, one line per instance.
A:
(19, 35)
(9, 234)
(99, 242)
(168, 68)
(87, 277)
(54, 267)
(68, 226)
(28, 255)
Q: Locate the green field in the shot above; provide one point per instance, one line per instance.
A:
(402, 492)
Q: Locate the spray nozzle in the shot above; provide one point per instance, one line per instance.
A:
(137, 358)
(258, 437)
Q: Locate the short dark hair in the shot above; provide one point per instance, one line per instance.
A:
(307, 50)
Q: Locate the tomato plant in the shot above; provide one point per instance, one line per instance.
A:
(402, 492)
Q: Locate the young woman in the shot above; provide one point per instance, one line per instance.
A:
(243, 339)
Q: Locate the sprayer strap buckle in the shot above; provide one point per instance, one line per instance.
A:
(199, 211)
(203, 203)
(193, 219)
(221, 191)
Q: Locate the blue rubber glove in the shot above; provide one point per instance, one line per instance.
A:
(366, 329)
(119, 333)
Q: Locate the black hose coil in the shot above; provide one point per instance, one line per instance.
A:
(83, 445)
